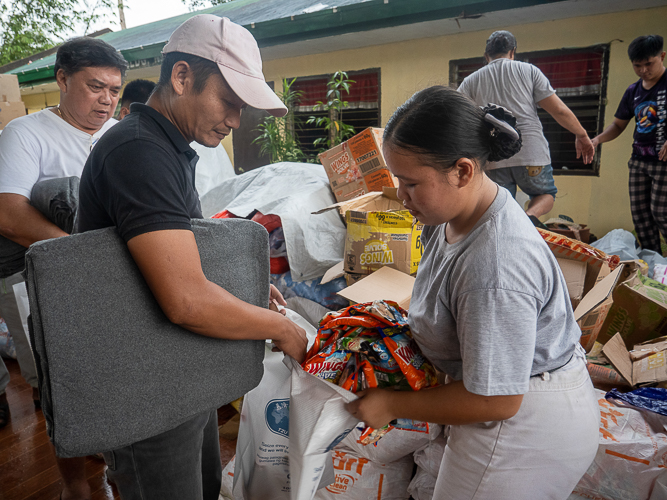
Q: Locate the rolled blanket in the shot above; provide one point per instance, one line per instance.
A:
(58, 201)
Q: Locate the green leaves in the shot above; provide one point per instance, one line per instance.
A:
(332, 122)
(277, 135)
(202, 4)
(30, 26)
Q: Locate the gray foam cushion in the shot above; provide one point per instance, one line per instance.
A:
(113, 369)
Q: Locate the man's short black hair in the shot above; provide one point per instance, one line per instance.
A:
(85, 52)
(643, 48)
(137, 91)
(201, 68)
(500, 43)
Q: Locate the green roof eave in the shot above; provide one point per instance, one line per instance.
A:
(351, 17)
(375, 14)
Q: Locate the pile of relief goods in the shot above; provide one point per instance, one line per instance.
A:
(622, 314)
(322, 453)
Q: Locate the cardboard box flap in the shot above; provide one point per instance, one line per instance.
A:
(332, 273)
(647, 370)
(619, 357)
(370, 202)
(384, 284)
(574, 273)
(600, 292)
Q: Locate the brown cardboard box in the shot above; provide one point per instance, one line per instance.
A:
(384, 284)
(592, 310)
(9, 111)
(639, 311)
(574, 273)
(379, 233)
(9, 88)
(356, 166)
(645, 370)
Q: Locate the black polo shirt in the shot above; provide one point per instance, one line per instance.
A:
(139, 177)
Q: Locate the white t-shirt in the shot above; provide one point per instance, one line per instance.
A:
(518, 86)
(42, 146)
(213, 167)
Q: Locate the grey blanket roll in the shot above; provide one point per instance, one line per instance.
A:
(58, 201)
(113, 369)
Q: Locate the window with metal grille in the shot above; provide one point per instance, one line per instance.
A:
(362, 111)
(579, 77)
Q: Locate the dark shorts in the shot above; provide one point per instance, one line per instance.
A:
(533, 181)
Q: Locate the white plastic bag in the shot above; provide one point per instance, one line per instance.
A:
(262, 449)
(227, 485)
(360, 479)
(422, 485)
(394, 445)
(631, 456)
(428, 460)
(318, 422)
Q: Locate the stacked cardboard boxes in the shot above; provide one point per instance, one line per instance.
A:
(11, 105)
(356, 166)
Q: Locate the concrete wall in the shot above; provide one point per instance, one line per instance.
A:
(601, 202)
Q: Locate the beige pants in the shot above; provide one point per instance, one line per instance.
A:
(539, 454)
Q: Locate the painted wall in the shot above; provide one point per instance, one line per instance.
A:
(601, 202)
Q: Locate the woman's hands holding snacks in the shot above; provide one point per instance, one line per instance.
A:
(375, 407)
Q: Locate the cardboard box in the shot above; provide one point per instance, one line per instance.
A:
(592, 310)
(9, 111)
(379, 233)
(574, 272)
(384, 284)
(9, 88)
(356, 166)
(645, 370)
(639, 311)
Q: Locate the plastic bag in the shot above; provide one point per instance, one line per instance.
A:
(428, 460)
(631, 456)
(319, 421)
(646, 398)
(422, 485)
(227, 485)
(366, 346)
(395, 445)
(7, 349)
(360, 479)
(262, 462)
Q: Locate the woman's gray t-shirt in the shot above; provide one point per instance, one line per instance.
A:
(493, 309)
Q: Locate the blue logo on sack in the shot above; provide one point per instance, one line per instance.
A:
(277, 416)
(338, 440)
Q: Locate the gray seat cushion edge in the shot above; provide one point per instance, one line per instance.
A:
(122, 372)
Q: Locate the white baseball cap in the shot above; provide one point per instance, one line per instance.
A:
(236, 53)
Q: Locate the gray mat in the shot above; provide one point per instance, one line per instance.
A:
(113, 369)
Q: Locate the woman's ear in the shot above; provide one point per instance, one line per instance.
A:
(463, 172)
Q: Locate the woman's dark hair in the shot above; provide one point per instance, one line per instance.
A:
(499, 43)
(443, 126)
(85, 52)
(643, 48)
(201, 68)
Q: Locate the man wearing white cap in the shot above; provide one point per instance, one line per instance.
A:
(140, 179)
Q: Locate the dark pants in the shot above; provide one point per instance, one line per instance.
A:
(648, 201)
(180, 464)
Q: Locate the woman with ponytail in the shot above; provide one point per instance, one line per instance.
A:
(490, 310)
